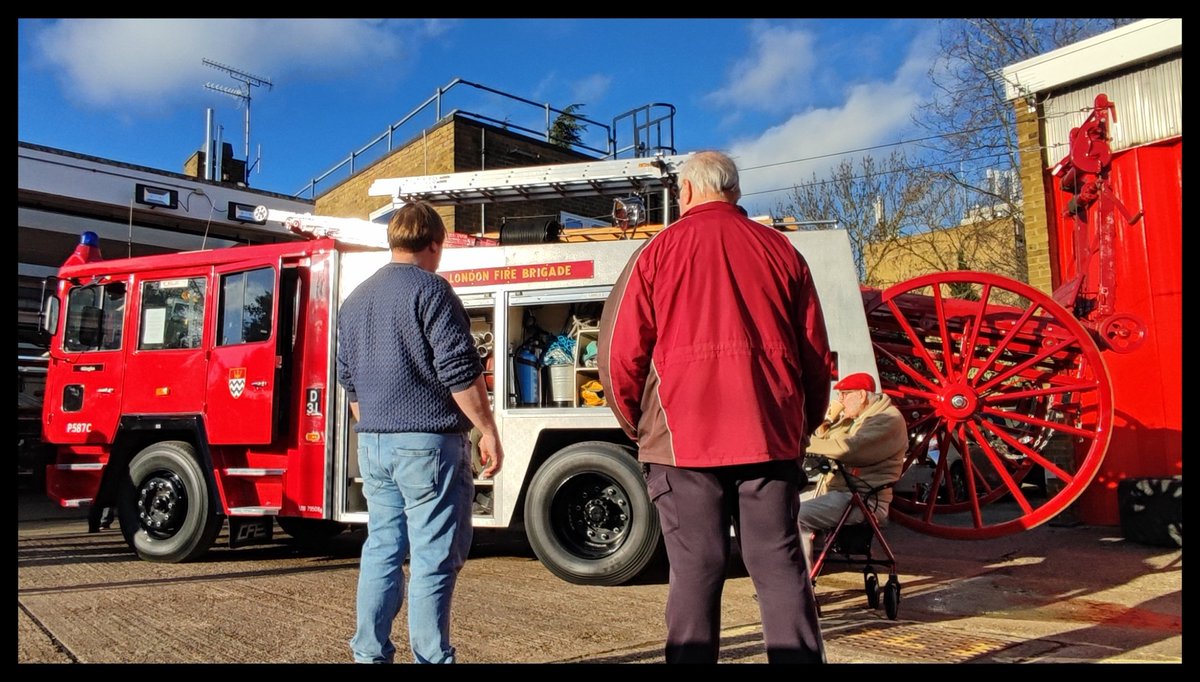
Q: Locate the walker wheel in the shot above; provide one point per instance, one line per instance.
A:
(871, 584)
(891, 599)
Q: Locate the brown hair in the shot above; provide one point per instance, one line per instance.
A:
(415, 226)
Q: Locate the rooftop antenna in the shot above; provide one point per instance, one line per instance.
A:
(243, 94)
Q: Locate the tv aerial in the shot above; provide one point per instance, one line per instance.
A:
(242, 94)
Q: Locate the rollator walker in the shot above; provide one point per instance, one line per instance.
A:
(851, 543)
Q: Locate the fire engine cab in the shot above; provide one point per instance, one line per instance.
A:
(193, 389)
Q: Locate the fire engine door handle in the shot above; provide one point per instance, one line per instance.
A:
(259, 384)
(104, 390)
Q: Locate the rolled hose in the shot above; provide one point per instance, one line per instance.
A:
(526, 232)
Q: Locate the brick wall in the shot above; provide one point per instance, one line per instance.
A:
(1032, 171)
(461, 145)
(986, 245)
(429, 153)
(479, 147)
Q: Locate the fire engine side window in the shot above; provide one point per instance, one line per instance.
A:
(172, 314)
(95, 318)
(245, 307)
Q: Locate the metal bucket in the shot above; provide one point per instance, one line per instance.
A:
(562, 385)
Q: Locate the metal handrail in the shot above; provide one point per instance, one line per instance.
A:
(436, 99)
(640, 147)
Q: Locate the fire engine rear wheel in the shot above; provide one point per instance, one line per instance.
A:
(165, 508)
(588, 516)
(1000, 373)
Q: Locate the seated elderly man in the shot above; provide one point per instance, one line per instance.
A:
(865, 433)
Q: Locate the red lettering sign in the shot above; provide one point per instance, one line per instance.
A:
(511, 274)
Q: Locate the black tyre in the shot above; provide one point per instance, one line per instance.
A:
(891, 600)
(1151, 510)
(588, 516)
(871, 587)
(310, 531)
(165, 511)
(895, 582)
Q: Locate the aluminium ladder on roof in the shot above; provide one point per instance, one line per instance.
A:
(527, 183)
(531, 183)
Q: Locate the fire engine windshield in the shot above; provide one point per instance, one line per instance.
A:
(95, 317)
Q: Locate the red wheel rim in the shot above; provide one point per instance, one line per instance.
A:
(982, 364)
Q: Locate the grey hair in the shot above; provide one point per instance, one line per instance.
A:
(712, 172)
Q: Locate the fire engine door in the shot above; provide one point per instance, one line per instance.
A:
(164, 368)
(83, 388)
(243, 363)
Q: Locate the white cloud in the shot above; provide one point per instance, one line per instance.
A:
(591, 89)
(155, 63)
(872, 114)
(774, 76)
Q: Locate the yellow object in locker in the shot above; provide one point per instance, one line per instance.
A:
(592, 394)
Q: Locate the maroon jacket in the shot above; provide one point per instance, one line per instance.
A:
(712, 346)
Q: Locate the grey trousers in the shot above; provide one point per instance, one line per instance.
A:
(822, 513)
(696, 508)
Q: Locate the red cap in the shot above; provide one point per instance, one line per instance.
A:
(854, 382)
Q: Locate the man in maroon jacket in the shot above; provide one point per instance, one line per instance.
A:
(714, 358)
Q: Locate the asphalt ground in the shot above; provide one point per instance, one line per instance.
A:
(1053, 594)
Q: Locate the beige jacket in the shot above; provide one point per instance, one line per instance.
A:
(872, 446)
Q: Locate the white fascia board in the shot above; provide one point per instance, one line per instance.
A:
(1138, 42)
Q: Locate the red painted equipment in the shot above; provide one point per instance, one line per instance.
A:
(1009, 383)
(1084, 173)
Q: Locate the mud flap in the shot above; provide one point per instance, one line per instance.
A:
(250, 530)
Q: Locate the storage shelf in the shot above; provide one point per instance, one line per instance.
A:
(584, 374)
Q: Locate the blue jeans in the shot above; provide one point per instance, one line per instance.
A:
(418, 488)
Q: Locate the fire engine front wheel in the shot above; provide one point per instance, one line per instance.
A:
(588, 516)
(165, 508)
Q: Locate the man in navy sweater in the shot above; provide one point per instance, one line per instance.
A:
(415, 383)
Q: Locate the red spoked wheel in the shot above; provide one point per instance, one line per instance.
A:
(1007, 401)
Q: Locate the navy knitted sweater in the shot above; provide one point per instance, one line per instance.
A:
(404, 345)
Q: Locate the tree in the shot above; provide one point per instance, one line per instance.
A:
(905, 220)
(567, 130)
(973, 123)
(959, 206)
(875, 205)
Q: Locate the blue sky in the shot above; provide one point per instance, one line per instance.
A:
(786, 97)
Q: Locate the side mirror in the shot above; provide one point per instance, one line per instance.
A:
(49, 315)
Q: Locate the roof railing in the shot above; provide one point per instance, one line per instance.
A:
(355, 161)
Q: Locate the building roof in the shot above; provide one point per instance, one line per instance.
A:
(1137, 42)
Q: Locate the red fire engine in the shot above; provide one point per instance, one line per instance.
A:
(191, 389)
